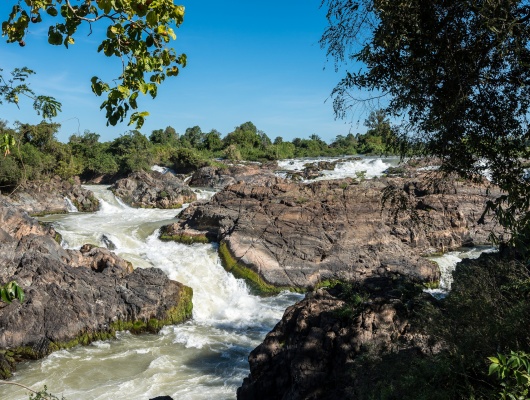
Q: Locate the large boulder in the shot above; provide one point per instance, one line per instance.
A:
(74, 296)
(321, 346)
(52, 197)
(295, 235)
(153, 189)
(229, 174)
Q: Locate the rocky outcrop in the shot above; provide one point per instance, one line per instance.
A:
(74, 296)
(220, 177)
(322, 346)
(153, 189)
(50, 197)
(285, 234)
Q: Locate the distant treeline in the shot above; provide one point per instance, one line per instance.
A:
(37, 154)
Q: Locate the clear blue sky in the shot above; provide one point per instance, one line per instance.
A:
(247, 61)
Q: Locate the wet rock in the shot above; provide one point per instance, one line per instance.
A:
(294, 235)
(75, 296)
(153, 189)
(49, 197)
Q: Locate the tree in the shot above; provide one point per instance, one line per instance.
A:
(212, 140)
(164, 136)
(457, 74)
(132, 151)
(138, 33)
(193, 137)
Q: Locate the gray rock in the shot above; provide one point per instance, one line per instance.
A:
(153, 189)
(297, 235)
(74, 296)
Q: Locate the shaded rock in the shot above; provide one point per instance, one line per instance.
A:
(75, 296)
(312, 352)
(295, 235)
(49, 197)
(153, 189)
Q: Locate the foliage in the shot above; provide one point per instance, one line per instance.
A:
(456, 73)
(44, 395)
(7, 141)
(132, 152)
(186, 160)
(11, 89)
(138, 33)
(166, 136)
(11, 291)
(514, 372)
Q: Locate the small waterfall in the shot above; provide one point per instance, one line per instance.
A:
(70, 206)
(202, 359)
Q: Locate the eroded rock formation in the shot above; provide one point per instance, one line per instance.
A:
(49, 197)
(323, 343)
(74, 296)
(153, 189)
(297, 235)
(219, 177)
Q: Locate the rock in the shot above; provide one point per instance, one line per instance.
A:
(292, 235)
(313, 351)
(220, 177)
(75, 296)
(49, 197)
(314, 170)
(153, 189)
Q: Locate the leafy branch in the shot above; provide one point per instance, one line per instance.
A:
(138, 33)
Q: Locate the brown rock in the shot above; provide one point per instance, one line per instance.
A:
(297, 235)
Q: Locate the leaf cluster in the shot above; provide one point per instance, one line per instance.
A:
(138, 34)
(514, 372)
(11, 89)
(11, 291)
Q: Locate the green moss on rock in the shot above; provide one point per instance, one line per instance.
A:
(185, 239)
(254, 280)
(178, 314)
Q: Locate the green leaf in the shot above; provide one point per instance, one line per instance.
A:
(151, 18)
(493, 368)
(52, 11)
(3, 296)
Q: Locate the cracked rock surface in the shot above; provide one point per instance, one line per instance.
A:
(297, 235)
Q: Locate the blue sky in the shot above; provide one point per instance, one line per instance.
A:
(247, 61)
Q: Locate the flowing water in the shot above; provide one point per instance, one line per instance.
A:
(447, 264)
(345, 167)
(205, 358)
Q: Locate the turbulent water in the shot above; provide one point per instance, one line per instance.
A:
(447, 264)
(346, 167)
(205, 358)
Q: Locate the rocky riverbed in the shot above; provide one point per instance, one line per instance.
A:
(74, 296)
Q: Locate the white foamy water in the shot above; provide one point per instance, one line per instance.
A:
(205, 358)
(447, 264)
(346, 168)
(70, 206)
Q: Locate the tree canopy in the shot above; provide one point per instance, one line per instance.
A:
(455, 73)
(138, 35)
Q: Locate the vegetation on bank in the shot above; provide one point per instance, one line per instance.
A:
(36, 154)
(456, 76)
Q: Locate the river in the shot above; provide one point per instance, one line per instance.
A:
(205, 358)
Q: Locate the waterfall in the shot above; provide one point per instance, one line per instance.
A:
(205, 358)
(70, 206)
